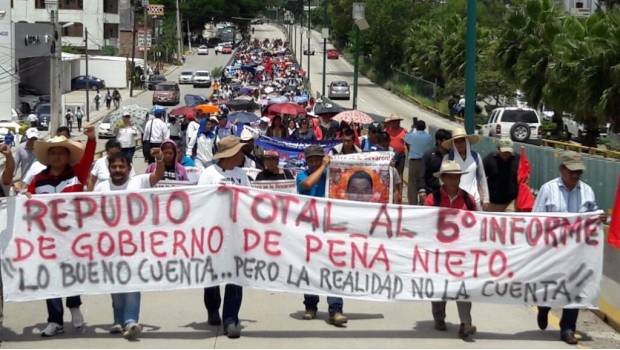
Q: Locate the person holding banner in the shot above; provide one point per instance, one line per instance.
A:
(173, 169)
(67, 164)
(450, 195)
(347, 146)
(100, 172)
(313, 182)
(432, 162)
(474, 181)
(226, 170)
(126, 306)
(566, 194)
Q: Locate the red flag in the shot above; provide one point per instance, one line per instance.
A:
(525, 198)
(614, 227)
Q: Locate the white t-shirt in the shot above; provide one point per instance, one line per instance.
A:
(215, 175)
(127, 136)
(102, 172)
(134, 183)
(33, 171)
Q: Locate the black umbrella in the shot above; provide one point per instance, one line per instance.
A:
(327, 108)
(241, 105)
(242, 117)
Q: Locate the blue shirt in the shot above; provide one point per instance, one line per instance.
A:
(555, 197)
(317, 190)
(419, 142)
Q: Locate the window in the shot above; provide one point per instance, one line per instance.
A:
(39, 4)
(517, 116)
(110, 6)
(76, 30)
(70, 4)
(110, 30)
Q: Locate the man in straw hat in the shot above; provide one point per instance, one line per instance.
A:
(566, 194)
(67, 164)
(397, 140)
(474, 181)
(226, 170)
(450, 195)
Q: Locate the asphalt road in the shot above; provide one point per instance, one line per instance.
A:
(273, 320)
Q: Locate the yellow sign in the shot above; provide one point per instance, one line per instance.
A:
(156, 10)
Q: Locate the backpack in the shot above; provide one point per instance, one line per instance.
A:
(467, 199)
(473, 154)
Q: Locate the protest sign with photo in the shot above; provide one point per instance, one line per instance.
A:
(193, 237)
(363, 177)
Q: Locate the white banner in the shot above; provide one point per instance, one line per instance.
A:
(287, 186)
(190, 237)
(362, 177)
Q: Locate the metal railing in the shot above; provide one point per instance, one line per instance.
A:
(415, 85)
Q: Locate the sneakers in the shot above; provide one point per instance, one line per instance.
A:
(232, 330)
(214, 319)
(309, 314)
(466, 330)
(116, 329)
(132, 331)
(440, 325)
(52, 329)
(77, 319)
(543, 318)
(569, 337)
(338, 319)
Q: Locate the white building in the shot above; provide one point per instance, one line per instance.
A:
(579, 7)
(101, 17)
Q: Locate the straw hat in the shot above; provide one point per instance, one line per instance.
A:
(228, 147)
(76, 149)
(459, 133)
(392, 118)
(449, 167)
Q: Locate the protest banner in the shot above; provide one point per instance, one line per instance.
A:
(363, 177)
(291, 149)
(287, 186)
(193, 237)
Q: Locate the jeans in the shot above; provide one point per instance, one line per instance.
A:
(568, 322)
(126, 307)
(79, 124)
(464, 307)
(55, 310)
(335, 303)
(233, 295)
(128, 152)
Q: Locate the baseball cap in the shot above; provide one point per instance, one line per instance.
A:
(505, 145)
(32, 133)
(264, 120)
(313, 151)
(572, 160)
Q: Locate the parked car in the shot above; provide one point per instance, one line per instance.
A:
(519, 124)
(81, 81)
(203, 50)
(573, 130)
(333, 54)
(339, 90)
(186, 77)
(227, 49)
(309, 52)
(154, 80)
(104, 129)
(167, 92)
(202, 78)
(43, 113)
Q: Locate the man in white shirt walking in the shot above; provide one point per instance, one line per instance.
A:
(225, 171)
(156, 131)
(127, 134)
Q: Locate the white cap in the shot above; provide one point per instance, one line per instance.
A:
(264, 120)
(32, 133)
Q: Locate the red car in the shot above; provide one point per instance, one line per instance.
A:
(333, 54)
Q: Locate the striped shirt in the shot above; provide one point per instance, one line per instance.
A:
(554, 197)
(71, 180)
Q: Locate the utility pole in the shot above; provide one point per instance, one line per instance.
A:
(133, 52)
(470, 68)
(189, 37)
(308, 35)
(325, 33)
(87, 76)
(179, 40)
(55, 81)
(301, 35)
(146, 45)
(356, 65)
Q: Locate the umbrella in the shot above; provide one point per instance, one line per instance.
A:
(193, 100)
(247, 90)
(137, 115)
(239, 104)
(300, 99)
(208, 108)
(327, 108)
(242, 117)
(277, 100)
(353, 116)
(245, 98)
(286, 108)
(185, 111)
